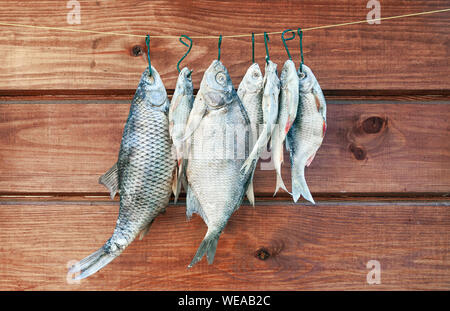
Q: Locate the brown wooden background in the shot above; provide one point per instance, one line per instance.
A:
(381, 178)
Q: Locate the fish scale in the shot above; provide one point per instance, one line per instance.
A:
(216, 186)
(142, 174)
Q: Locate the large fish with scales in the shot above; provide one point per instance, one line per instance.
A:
(250, 93)
(306, 134)
(142, 174)
(180, 108)
(216, 186)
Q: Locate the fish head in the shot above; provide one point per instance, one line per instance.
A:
(253, 79)
(309, 84)
(271, 68)
(307, 80)
(184, 82)
(183, 88)
(216, 86)
(152, 92)
(288, 73)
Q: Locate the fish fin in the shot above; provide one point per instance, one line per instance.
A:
(144, 231)
(111, 180)
(288, 148)
(91, 264)
(250, 193)
(175, 189)
(193, 206)
(208, 247)
(300, 188)
(280, 184)
(310, 159)
(254, 155)
(195, 117)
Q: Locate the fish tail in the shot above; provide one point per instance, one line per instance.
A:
(299, 186)
(91, 263)
(280, 184)
(208, 247)
(278, 160)
(257, 148)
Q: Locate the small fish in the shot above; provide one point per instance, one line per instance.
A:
(306, 134)
(286, 116)
(271, 84)
(142, 174)
(250, 93)
(180, 108)
(216, 186)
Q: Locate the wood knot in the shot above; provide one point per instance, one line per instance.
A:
(137, 50)
(358, 152)
(373, 125)
(262, 253)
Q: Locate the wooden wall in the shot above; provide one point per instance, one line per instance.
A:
(381, 179)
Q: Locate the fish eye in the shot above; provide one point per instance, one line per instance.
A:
(221, 78)
(301, 75)
(255, 75)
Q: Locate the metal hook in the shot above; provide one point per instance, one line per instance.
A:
(147, 41)
(253, 47)
(220, 43)
(266, 39)
(300, 34)
(284, 41)
(184, 56)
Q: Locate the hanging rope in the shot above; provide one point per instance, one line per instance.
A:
(215, 37)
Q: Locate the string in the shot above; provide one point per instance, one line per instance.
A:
(217, 37)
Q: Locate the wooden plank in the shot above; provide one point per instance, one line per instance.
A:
(370, 147)
(409, 53)
(305, 247)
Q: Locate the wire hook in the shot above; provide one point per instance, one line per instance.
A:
(300, 34)
(266, 39)
(147, 41)
(253, 47)
(189, 49)
(220, 43)
(284, 41)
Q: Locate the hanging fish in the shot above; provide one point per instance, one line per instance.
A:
(286, 116)
(216, 186)
(250, 93)
(271, 85)
(306, 134)
(142, 174)
(180, 108)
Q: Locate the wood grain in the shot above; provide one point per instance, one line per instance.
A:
(322, 247)
(370, 147)
(409, 53)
